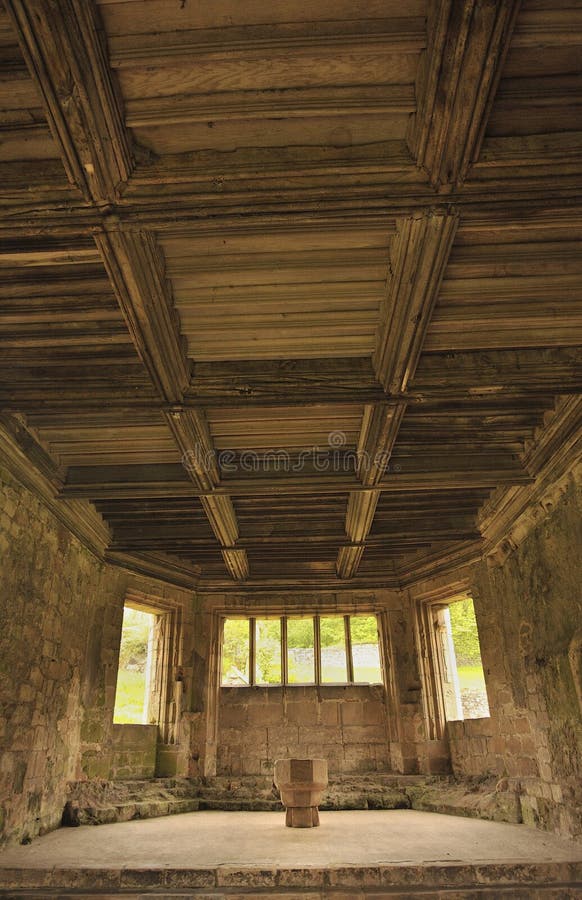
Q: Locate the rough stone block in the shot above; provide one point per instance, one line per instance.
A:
(329, 712)
(352, 713)
(374, 713)
(302, 713)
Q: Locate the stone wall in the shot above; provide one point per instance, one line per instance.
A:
(134, 751)
(344, 725)
(53, 592)
(60, 627)
(529, 610)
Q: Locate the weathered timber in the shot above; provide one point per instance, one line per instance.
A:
(136, 269)
(467, 44)
(65, 50)
(418, 256)
(324, 332)
(424, 475)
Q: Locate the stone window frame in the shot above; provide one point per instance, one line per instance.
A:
(316, 617)
(164, 704)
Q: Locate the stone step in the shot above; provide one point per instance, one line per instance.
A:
(470, 881)
(140, 809)
(103, 803)
(242, 805)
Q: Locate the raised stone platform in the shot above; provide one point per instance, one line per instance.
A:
(353, 855)
(98, 803)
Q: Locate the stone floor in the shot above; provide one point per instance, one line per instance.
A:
(214, 850)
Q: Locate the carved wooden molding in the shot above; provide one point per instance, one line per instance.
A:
(65, 51)
(237, 563)
(360, 514)
(348, 561)
(33, 467)
(418, 256)
(190, 429)
(553, 457)
(458, 77)
(136, 269)
(380, 424)
(156, 565)
(191, 433)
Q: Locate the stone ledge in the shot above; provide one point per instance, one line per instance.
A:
(523, 880)
(97, 803)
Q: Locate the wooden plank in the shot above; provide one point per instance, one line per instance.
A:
(493, 378)
(268, 104)
(499, 373)
(467, 44)
(66, 55)
(425, 475)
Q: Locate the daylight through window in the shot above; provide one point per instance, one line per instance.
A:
(135, 654)
(462, 673)
(301, 650)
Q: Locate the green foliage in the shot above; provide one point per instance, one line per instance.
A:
(129, 698)
(300, 636)
(299, 633)
(464, 630)
(269, 651)
(235, 646)
(134, 636)
(364, 629)
(471, 678)
(131, 684)
(332, 631)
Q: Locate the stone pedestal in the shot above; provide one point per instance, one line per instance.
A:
(301, 783)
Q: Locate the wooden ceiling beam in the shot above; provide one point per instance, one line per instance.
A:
(507, 374)
(419, 252)
(107, 482)
(291, 382)
(467, 41)
(65, 50)
(292, 547)
(304, 102)
(515, 376)
(192, 435)
(179, 535)
(136, 268)
(516, 172)
(404, 34)
(378, 433)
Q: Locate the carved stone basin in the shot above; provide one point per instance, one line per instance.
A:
(301, 783)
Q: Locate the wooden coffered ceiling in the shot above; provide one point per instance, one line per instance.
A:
(288, 287)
